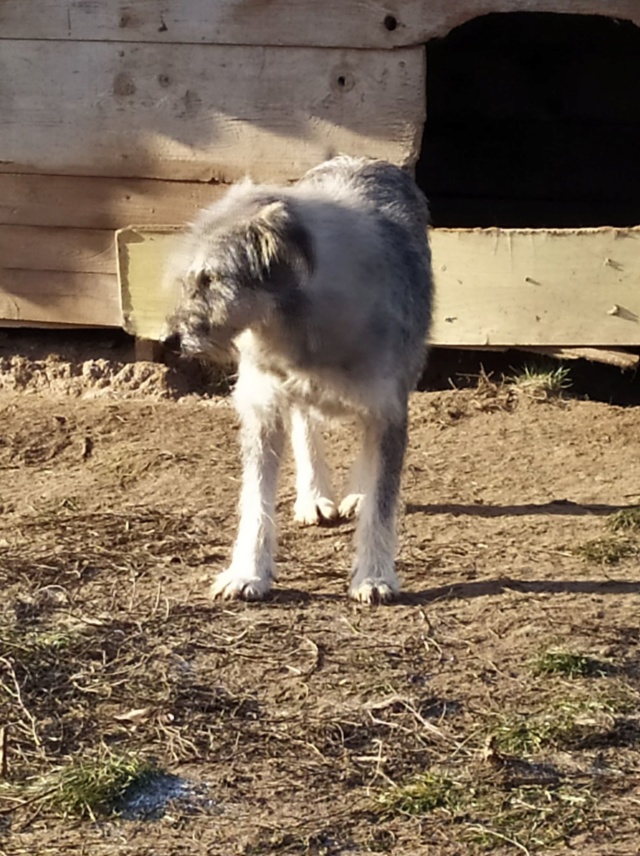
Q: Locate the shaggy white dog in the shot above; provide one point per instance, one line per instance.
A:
(324, 291)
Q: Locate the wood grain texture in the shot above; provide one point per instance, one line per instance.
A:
(547, 287)
(428, 19)
(59, 297)
(333, 23)
(100, 203)
(493, 287)
(42, 248)
(198, 112)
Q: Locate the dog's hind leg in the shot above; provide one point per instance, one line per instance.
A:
(314, 493)
(351, 504)
(374, 578)
(252, 570)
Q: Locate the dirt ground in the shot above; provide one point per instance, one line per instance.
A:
(308, 724)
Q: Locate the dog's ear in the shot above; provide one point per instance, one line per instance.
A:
(277, 242)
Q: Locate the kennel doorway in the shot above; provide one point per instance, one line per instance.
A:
(533, 121)
(530, 162)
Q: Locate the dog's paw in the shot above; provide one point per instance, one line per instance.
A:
(351, 505)
(374, 591)
(230, 585)
(312, 510)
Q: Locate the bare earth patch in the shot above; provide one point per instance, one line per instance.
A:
(493, 709)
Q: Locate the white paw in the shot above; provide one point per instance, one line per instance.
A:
(351, 505)
(311, 510)
(373, 590)
(230, 585)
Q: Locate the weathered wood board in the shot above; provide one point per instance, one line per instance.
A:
(537, 287)
(340, 23)
(90, 299)
(493, 287)
(63, 275)
(200, 112)
(38, 248)
(142, 255)
(99, 203)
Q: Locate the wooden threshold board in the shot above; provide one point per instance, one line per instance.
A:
(494, 287)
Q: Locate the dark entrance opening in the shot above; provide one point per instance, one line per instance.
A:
(533, 120)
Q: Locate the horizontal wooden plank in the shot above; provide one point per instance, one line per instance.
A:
(99, 203)
(50, 325)
(42, 248)
(493, 287)
(527, 287)
(90, 299)
(334, 23)
(199, 112)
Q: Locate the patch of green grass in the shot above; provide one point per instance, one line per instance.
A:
(421, 795)
(487, 813)
(569, 664)
(94, 788)
(521, 735)
(625, 520)
(530, 817)
(564, 726)
(40, 647)
(542, 381)
(606, 551)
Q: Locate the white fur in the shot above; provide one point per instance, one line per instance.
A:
(315, 499)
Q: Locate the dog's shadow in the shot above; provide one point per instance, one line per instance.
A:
(465, 591)
(500, 585)
(478, 588)
(560, 507)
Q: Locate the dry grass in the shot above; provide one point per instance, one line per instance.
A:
(622, 542)
(502, 786)
(626, 520)
(606, 551)
(149, 678)
(481, 815)
(319, 727)
(564, 725)
(164, 689)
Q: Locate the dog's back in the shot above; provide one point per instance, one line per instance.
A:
(389, 189)
(372, 283)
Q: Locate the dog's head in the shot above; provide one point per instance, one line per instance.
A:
(241, 266)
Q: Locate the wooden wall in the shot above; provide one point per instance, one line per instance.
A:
(368, 24)
(113, 113)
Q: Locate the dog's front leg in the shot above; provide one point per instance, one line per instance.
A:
(374, 577)
(252, 570)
